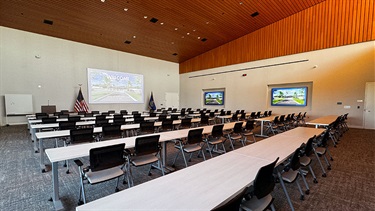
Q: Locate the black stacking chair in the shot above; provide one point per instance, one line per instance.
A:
(166, 125)
(111, 132)
(79, 136)
(146, 128)
(119, 121)
(162, 117)
(118, 116)
(174, 117)
(152, 114)
(146, 151)
(74, 118)
(243, 117)
(216, 138)
(204, 120)
(259, 195)
(101, 122)
(134, 112)
(88, 114)
(321, 149)
(305, 154)
(265, 114)
(234, 118)
(248, 131)
(193, 143)
(41, 115)
(100, 117)
(136, 115)
(56, 113)
(228, 113)
(65, 111)
(81, 113)
(236, 135)
(105, 113)
(253, 115)
(49, 120)
(123, 112)
(67, 125)
(111, 112)
(185, 123)
(106, 163)
(138, 120)
(258, 114)
(232, 204)
(222, 113)
(95, 112)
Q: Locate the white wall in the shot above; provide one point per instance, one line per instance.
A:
(63, 65)
(340, 76)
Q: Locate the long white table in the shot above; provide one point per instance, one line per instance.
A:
(49, 135)
(322, 121)
(207, 184)
(77, 151)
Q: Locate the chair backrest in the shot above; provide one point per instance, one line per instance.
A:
(89, 115)
(309, 146)
(106, 157)
(41, 115)
(118, 116)
(243, 116)
(204, 120)
(195, 136)
(282, 118)
(264, 180)
(294, 162)
(188, 109)
(228, 113)
(152, 114)
(249, 125)
(124, 112)
(183, 112)
(119, 121)
(217, 130)
(222, 113)
(81, 112)
(101, 122)
(257, 114)
(111, 131)
(48, 120)
(134, 112)
(237, 127)
(174, 110)
(82, 135)
(56, 113)
(167, 124)
(66, 125)
(242, 111)
(74, 118)
(111, 111)
(212, 114)
(147, 127)
(276, 120)
(65, 111)
(234, 117)
(325, 138)
(237, 111)
(105, 113)
(101, 117)
(186, 122)
(232, 204)
(139, 120)
(169, 109)
(95, 112)
(147, 145)
(162, 117)
(269, 113)
(253, 115)
(62, 115)
(265, 113)
(136, 115)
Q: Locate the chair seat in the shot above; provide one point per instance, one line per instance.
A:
(290, 176)
(255, 204)
(214, 141)
(248, 133)
(192, 148)
(104, 175)
(320, 150)
(235, 136)
(143, 160)
(305, 161)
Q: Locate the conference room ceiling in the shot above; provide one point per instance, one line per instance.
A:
(171, 30)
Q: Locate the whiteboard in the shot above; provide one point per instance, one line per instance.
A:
(18, 104)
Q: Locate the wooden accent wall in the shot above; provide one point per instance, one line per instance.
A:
(329, 24)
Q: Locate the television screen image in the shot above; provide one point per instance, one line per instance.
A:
(290, 96)
(214, 98)
(106, 86)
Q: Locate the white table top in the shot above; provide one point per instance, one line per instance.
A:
(326, 120)
(207, 184)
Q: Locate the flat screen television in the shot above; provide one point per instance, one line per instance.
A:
(213, 98)
(289, 96)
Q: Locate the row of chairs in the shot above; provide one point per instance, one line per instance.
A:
(283, 123)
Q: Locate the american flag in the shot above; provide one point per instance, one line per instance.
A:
(80, 104)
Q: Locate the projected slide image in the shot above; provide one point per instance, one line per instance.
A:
(289, 96)
(114, 87)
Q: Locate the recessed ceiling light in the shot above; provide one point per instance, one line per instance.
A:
(172, 43)
(183, 37)
(102, 0)
(241, 3)
(194, 30)
(207, 22)
(161, 23)
(134, 36)
(145, 17)
(125, 9)
(188, 33)
(176, 29)
(199, 38)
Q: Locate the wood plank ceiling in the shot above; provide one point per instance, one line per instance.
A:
(183, 29)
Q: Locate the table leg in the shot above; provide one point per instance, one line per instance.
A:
(164, 157)
(41, 152)
(55, 185)
(33, 137)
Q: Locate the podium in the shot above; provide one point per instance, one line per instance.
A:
(49, 109)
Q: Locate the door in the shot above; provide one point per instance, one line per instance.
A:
(171, 100)
(369, 111)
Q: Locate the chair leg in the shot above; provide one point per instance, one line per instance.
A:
(183, 155)
(272, 207)
(209, 149)
(328, 164)
(82, 195)
(302, 197)
(313, 174)
(320, 163)
(222, 144)
(175, 158)
(204, 157)
(285, 191)
(117, 189)
(231, 143)
(304, 181)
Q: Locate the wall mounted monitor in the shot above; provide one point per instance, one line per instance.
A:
(289, 96)
(213, 98)
(106, 86)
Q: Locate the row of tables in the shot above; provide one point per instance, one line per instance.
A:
(215, 186)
